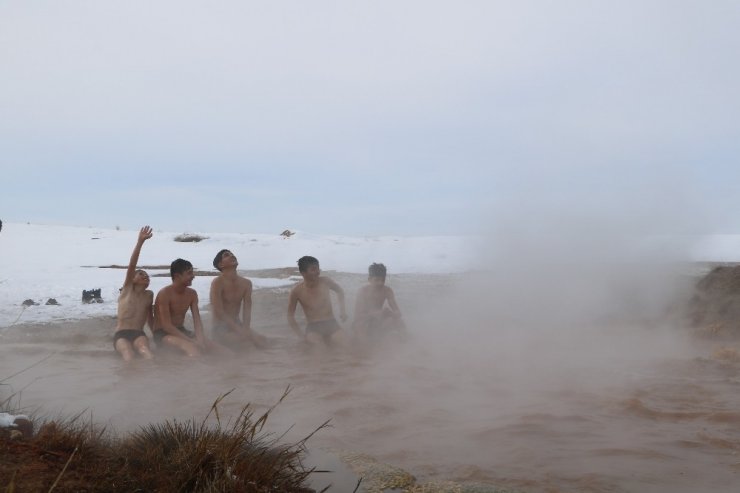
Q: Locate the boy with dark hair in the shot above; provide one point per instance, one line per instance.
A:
(172, 305)
(372, 319)
(231, 293)
(313, 293)
(134, 307)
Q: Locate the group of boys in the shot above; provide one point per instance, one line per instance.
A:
(231, 304)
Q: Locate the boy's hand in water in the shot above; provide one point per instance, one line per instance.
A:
(200, 342)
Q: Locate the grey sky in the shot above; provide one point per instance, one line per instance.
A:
(373, 117)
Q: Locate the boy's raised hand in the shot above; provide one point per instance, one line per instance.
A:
(145, 233)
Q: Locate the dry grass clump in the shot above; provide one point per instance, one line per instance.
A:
(190, 238)
(74, 455)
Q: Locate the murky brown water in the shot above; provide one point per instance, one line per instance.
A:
(609, 409)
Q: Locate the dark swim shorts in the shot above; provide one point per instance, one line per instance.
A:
(160, 333)
(324, 328)
(129, 334)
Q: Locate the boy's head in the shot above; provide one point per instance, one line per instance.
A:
(376, 273)
(308, 266)
(141, 278)
(181, 267)
(222, 255)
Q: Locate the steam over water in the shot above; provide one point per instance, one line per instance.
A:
(522, 390)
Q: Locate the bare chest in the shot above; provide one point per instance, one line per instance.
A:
(314, 297)
(233, 292)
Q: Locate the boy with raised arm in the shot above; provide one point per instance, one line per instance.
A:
(171, 306)
(230, 294)
(313, 293)
(134, 307)
(372, 319)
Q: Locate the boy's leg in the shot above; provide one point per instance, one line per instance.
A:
(257, 339)
(314, 338)
(213, 346)
(141, 344)
(186, 347)
(124, 349)
(339, 338)
(227, 337)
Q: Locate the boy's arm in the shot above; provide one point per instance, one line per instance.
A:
(292, 303)
(197, 322)
(391, 297)
(247, 306)
(150, 313)
(360, 303)
(144, 234)
(340, 296)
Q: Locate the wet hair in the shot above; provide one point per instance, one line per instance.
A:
(179, 266)
(305, 262)
(376, 270)
(218, 257)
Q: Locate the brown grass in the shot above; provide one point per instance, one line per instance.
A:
(207, 456)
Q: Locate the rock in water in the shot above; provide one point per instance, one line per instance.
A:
(715, 306)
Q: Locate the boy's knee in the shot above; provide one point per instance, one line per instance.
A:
(145, 352)
(126, 353)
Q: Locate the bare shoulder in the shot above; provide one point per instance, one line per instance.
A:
(164, 293)
(297, 289)
(216, 282)
(191, 293)
(245, 282)
(388, 291)
(328, 281)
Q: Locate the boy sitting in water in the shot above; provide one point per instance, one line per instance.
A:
(230, 294)
(172, 305)
(372, 319)
(134, 307)
(315, 299)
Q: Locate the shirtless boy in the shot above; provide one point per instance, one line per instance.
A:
(372, 319)
(170, 308)
(315, 299)
(134, 307)
(230, 294)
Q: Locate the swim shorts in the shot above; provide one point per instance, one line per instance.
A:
(324, 328)
(129, 334)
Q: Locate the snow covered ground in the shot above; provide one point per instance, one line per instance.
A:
(39, 262)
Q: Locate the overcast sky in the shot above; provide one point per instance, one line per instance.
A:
(370, 117)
